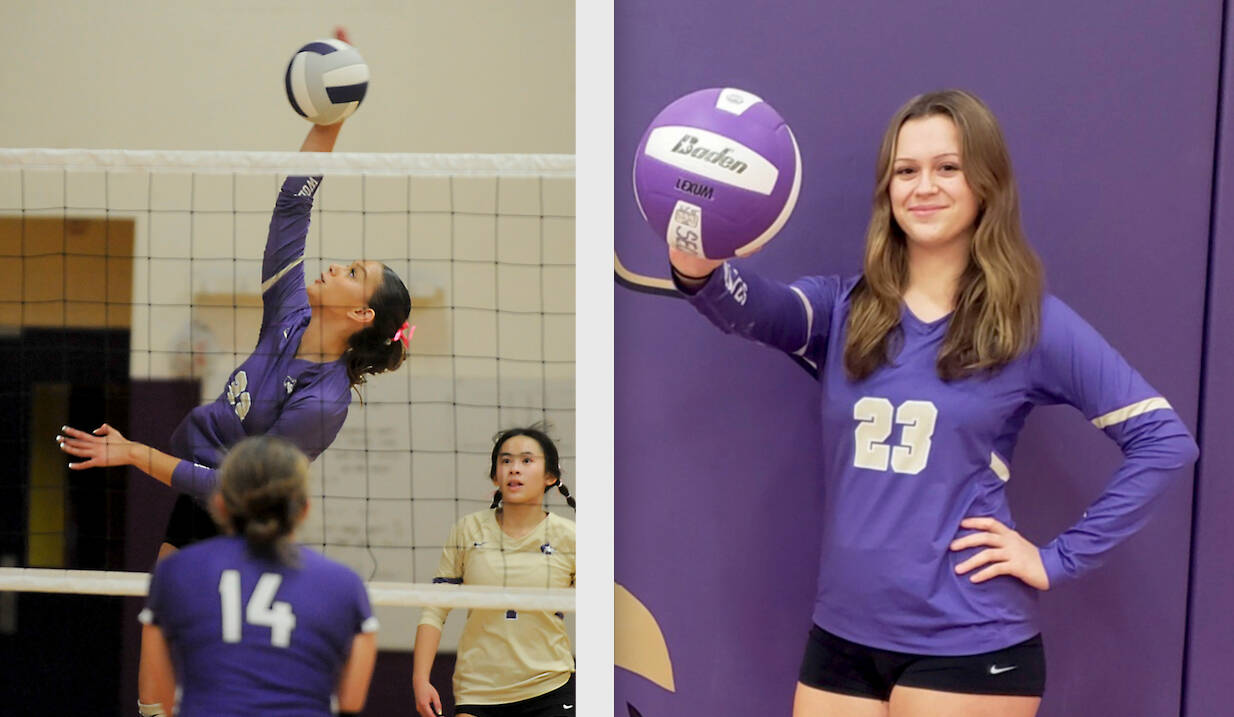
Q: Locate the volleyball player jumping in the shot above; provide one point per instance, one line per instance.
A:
(511, 663)
(258, 624)
(315, 344)
(930, 361)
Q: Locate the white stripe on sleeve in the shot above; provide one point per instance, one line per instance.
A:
(265, 285)
(1126, 412)
(999, 467)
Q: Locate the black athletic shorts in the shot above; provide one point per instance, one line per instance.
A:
(558, 703)
(834, 664)
(189, 523)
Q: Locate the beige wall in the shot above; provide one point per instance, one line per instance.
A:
(447, 76)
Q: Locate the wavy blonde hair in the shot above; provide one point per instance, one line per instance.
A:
(998, 301)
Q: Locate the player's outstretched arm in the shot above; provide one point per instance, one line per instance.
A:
(106, 447)
(321, 138)
(428, 703)
(354, 681)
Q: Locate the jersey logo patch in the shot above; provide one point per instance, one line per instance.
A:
(289, 383)
(735, 284)
(547, 549)
(307, 189)
(238, 395)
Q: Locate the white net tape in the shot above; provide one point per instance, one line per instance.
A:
(109, 582)
(455, 165)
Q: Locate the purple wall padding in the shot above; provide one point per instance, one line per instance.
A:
(155, 409)
(1210, 645)
(1110, 119)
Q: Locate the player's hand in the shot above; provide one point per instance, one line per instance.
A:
(1007, 553)
(428, 703)
(692, 266)
(104, 447)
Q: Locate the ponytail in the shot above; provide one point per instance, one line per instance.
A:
(561, 488)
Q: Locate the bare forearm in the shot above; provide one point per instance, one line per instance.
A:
(161, 676)
(427, 640)
(354, 680)
(152, 462)
(321, 138)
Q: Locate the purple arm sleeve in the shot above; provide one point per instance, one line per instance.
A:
(193, 478)
(1075, 365)
(794, 318)
(282, 268)
(309, 421)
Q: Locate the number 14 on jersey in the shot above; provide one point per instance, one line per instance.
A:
(262, 608)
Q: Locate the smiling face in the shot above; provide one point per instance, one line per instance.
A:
(930, 198)
(346, 289)
(521, 475)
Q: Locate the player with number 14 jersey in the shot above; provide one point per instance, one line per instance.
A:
(248, 630)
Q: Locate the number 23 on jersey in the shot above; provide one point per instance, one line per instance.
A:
(875, 419)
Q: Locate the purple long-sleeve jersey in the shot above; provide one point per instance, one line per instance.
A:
(249, 635)
(272, 392)
(907, 456)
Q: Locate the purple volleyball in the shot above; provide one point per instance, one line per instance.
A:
(717, 173)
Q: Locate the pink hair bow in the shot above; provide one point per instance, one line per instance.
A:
(404, 333)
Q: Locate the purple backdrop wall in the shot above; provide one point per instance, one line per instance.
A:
(1210, 652)
(1110, 116)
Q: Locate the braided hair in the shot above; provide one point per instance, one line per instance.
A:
(373, 349)
(264, 487)
(538, 432)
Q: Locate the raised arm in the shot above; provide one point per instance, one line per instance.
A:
(282, 267)
(321, 138)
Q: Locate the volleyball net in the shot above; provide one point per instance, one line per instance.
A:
(132, 290)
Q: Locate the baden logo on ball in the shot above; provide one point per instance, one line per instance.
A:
(717, 173)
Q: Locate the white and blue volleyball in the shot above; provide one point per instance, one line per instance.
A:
(326, 81)
(717, 173)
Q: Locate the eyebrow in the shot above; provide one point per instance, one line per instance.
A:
(937, 156)
(504, 454)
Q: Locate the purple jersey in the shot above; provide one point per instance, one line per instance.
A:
(252, 636)
(272, 392)
(907, 456)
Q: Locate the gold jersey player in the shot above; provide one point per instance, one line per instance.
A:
(511, 663)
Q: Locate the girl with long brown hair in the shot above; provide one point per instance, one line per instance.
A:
(930, 361)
